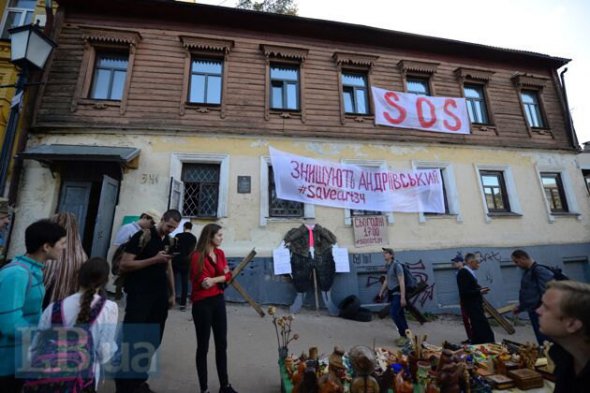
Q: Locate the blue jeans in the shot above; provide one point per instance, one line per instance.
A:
(535, 322)
(397, 314)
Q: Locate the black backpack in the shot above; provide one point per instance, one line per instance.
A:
(409, 279)
(558, 274)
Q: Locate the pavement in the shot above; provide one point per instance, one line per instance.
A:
(253, 350)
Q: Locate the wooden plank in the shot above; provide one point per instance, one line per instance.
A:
(497, 316)
(238, 269)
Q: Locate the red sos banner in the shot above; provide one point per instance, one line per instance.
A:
(405, 110)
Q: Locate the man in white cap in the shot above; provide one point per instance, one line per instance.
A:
(147, 219)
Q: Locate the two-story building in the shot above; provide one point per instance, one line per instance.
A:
(157, 104)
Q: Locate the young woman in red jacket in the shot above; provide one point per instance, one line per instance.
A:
(209, 273)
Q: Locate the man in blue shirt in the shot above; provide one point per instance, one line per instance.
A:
(21, 294)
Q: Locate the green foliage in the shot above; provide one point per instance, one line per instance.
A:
(286, 7)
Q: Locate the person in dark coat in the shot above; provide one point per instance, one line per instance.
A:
(185, 245)
(471, 295)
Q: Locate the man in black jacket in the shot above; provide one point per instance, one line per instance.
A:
(564, 315)
(471, 294)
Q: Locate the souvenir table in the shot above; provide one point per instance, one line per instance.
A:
(477, 357)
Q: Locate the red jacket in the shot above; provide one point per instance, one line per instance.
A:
(210, 269)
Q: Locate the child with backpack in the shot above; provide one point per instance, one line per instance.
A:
(21, 294)
(92, 319)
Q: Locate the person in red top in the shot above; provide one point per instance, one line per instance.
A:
(209, 273)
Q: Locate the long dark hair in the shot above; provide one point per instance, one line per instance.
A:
(204, 242)
(93, 275)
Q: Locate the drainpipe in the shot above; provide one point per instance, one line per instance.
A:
(570, 123)
(49, 15)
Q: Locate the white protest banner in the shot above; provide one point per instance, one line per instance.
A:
(349, 186)
(405, 110)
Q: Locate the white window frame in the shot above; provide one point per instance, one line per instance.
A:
(513, 200)
(23, 17)
(568, 190)
(368, 164)
(308, 209)
(452, 195)
(177, 160)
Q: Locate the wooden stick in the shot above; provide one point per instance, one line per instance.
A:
(247, 297)
(238, 269)
(315, 291)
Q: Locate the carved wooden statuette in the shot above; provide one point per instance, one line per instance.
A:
(363, 362)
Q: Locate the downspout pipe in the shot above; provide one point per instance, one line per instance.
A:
(570, 123)
(49, 15)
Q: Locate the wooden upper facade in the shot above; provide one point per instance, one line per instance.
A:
(161, 39)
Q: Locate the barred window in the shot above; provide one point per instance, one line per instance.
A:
(201, 189)
(281, 207)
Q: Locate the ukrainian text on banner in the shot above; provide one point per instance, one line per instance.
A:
(405, 110)
(349, 186)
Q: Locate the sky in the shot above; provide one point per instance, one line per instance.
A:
(559, 28)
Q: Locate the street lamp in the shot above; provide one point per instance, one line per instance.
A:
(30, 49)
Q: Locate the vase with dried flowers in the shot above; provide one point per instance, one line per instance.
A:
(283, 331)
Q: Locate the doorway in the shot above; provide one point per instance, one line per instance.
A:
(90, 190)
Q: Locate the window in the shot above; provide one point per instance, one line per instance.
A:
(474, 82)
(273, 209)
(450, 193)
(495, 193)
(446, 201)
(284, 82)
(354, 93)
(418, 86)
(108, 82)
(205, 75)
(554, 192)
(354, 82)
(476, 104)
(281, 207)
(532, 109)
(106, 70)
(18, 13)
(201, 189)
(586, 174)
(205, 81)
(199, 184)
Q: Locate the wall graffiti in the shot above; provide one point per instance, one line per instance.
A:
(418, 269)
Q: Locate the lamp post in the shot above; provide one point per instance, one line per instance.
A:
(30, 48)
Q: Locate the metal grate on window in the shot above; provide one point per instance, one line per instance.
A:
(281, 207)
(201, 189)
